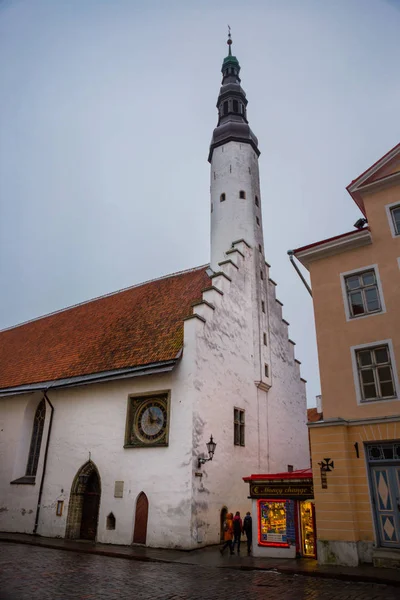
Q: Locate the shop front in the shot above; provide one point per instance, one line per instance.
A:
(283, 514)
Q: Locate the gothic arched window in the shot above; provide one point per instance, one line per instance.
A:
(36, 439)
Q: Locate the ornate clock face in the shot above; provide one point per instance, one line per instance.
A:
(150, 421)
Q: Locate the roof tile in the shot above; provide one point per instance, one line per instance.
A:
(133, 327)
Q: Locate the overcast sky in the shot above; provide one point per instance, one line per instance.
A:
(106, 114)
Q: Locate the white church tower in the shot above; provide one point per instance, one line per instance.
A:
(235, 181)
(247, 387)
(236, 202)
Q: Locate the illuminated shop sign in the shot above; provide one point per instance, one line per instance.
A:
(286, 489)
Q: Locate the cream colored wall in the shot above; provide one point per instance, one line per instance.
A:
(335, 335)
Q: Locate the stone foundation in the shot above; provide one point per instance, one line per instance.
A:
(348, 554)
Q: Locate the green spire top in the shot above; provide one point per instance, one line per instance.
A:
(229, 42)
(230, 60)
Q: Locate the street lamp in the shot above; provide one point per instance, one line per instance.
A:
(211, 445)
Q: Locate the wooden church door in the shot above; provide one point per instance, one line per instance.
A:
(90, 508)
(141, 515)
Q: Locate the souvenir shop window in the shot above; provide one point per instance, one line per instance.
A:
(276, 523)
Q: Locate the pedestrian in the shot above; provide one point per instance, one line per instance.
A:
(248, 530)
(228, 533)
(237, 531)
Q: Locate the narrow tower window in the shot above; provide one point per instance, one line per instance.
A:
(261, 275)
(226, 107)
(222, 198)
(259, 247)
(265, 339)
(263, 306)
(256, 199)
(266, 370)
(258, 221)
(242, 194)
(235, 106)
(238, 420)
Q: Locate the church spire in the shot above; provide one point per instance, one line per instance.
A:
(232, 106)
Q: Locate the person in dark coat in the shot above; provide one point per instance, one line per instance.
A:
(237, 531)
(248, 530)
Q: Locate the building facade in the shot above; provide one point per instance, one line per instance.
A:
(356, 447)
(107, 406)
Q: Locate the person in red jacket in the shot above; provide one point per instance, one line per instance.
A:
(237, 531)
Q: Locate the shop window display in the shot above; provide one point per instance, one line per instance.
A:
(276, 523)
(307, 528)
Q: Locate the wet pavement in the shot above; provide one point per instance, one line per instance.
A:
(32, 572)
(210, 557)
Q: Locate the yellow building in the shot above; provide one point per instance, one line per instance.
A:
(355, 280)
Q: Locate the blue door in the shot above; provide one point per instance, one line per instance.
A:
(386, 489)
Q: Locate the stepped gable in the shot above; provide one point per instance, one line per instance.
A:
(136, 326)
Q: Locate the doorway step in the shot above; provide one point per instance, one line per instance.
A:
(388, 558)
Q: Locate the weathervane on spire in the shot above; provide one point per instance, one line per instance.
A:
(229, 42)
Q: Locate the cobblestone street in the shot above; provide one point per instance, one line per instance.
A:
(40, 573)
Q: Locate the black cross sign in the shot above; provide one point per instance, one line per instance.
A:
(327, 465)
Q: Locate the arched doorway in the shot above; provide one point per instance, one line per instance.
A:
(224, 512)
(84, 503)
(141, 516)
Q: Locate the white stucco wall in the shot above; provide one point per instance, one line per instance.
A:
(287, 402)
(92, 419)
(226, 376)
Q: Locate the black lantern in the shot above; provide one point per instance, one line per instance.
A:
(211, 445)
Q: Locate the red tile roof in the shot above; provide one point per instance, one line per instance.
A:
(357, 197)
(313, 415)
(299, 474)
(326, 240)
(135, 326)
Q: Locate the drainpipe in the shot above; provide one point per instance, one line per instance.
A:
(300, 274)
(44, 464)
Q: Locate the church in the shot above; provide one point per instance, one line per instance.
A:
(133, 417)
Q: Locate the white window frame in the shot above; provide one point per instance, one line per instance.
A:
(357, 384)
(347, 311)
(390, 218)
